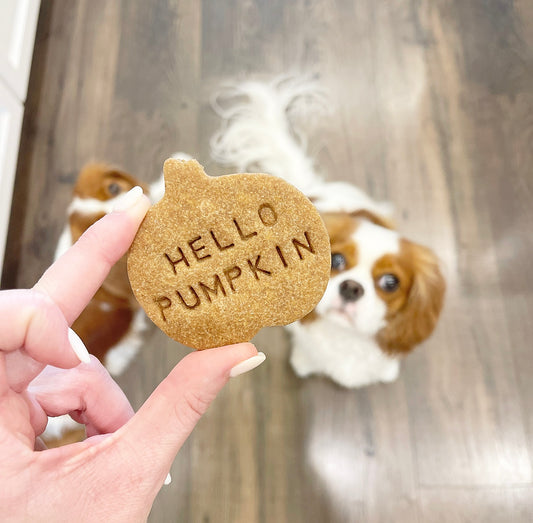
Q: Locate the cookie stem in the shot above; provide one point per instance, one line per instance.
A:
(182, 174)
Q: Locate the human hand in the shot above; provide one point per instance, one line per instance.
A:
(115, 474)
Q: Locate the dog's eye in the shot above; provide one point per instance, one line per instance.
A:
(114, 189)
(338, 261)
(388, 283)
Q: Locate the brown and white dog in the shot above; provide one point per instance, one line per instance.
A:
(112, 324)
(385, 293)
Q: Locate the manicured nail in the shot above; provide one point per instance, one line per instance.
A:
(168, 479)
(78, 347)
(128, 200)
(246, 365)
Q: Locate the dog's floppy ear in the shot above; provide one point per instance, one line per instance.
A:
(376, 219)
(416, 320)
(340, 225)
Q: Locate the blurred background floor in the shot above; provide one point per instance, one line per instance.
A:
(433, 110)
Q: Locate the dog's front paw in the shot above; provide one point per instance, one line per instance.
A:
(301, 364)
(391, 372)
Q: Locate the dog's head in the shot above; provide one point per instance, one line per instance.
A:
(382, 285)
(97, 188)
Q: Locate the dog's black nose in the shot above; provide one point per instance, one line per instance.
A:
(351, 290)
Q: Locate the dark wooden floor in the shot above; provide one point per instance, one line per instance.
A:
(434, 111)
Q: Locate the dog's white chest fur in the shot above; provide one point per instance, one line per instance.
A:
(352, 360)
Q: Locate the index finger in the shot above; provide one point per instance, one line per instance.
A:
(75, 277)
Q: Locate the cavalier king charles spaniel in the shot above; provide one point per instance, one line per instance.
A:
(385, 292)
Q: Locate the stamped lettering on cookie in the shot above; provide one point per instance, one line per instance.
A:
(218, 258)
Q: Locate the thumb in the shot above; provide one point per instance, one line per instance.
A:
(154, 435)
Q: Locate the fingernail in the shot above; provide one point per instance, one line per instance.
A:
(168, 479)
(128, 200)
(78, 347)
(246, 365)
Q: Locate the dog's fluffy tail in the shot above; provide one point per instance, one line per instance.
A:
(256, 132)
(257, 135)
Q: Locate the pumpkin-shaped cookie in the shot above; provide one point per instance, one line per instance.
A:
(218, 258)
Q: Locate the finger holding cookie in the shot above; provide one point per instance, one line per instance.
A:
(74, 278)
